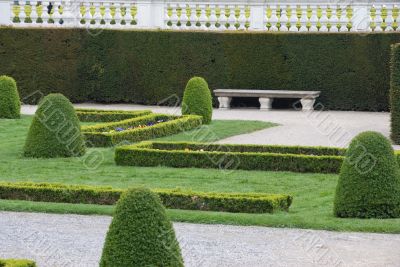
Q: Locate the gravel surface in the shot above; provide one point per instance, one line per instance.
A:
(318, 128)
(76, 240)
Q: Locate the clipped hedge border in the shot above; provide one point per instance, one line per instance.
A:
(173, 199)
(94, 115)
(95, 136)
(245, 157)
(17, 263)
(306, 150)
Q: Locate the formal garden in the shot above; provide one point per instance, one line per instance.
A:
(148, 169)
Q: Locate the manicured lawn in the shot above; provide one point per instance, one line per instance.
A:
(313, 193)
(219, 129)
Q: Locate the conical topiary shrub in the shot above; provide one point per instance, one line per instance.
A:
(55, 130)
(369, 182)
(197, 99)
(10, 105)
(140, 234)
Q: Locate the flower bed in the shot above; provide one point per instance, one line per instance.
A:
(173, 199)
(94, 115)
(246, 157)
(138, 129)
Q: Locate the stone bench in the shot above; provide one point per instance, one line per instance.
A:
(265, 97)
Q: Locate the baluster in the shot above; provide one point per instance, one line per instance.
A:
(203, 19)
(334, 20)
(183, 19)
(56, 16)
(87, 16)
(273, 20)
(303, 19)
(128, 18)
(283, 20)
(242, 18)
(45, 15)
(68, 15)
(117, 14)
(193, 16)
(167, 17)
(231, 18)
(174, 17)
(323, 20)
(222, 20)
(293, 19)
(313, 19)
(396, 7)
(34, 15)
(97, 17)
(389, 19)
(378, 19)
(343, 19)
(107, 14)
(213, 17)
(22, 14)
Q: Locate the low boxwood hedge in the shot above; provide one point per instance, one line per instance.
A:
(100, 135)
(17, 263)
(94, 115)
(246, 157)
(173, 199)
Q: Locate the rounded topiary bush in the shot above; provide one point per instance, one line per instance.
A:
(140, 233)
(197, 99)
(369, 182)
(10, 105)
(55, 130)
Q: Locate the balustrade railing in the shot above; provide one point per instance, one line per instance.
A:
(283, 16)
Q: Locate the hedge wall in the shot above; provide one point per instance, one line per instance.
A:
(351, 70)
(173, 199)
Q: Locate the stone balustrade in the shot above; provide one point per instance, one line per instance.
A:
(282, 16)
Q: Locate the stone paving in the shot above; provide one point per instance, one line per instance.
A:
(76, 240)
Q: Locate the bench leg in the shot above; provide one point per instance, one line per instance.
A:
(307, 104)
(224, 102)
(265, 103)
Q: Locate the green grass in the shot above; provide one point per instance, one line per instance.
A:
(219, 129)
(313, 193)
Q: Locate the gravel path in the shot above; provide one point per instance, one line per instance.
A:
(327, 128)
(76, 240)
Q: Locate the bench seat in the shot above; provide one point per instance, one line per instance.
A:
(265, 97)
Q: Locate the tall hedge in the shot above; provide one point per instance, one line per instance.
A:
(351, 70)
(55, 130)
(10, 105)
(197, 99)
(369, 181)
(140, 234)
(395, 94)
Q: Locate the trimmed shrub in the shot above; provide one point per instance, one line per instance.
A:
(197, 99)
(10, 105)
(140, 234)
(369, 181)
(395, 94)
(173, 126)
(55, 130)
(16, 263)
(94, 115)
(173, 199)
(152, 71)
(203, 155)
